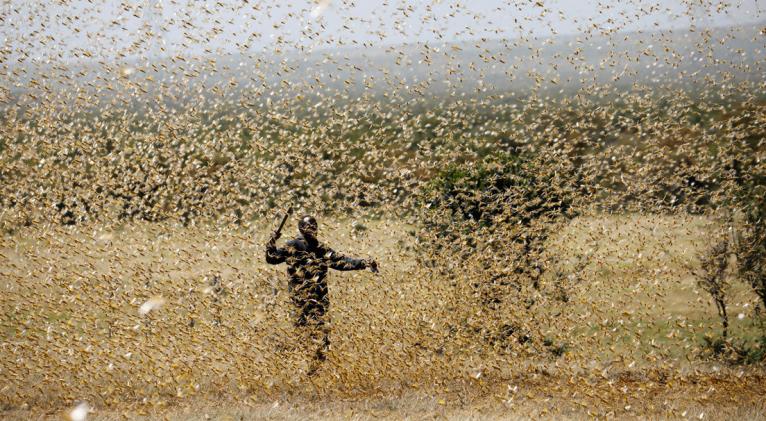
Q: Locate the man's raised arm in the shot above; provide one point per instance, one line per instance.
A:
(275, 255)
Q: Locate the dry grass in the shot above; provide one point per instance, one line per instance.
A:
(73, 330)
(543, 397)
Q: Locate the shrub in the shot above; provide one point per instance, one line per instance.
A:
(485, 225)
(712, 278)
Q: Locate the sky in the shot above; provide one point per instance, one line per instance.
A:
(108, 30)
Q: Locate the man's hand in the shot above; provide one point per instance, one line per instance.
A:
(274, 237)
(373, 265)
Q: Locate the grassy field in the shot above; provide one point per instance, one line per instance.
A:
(633, 328)
(544, 193)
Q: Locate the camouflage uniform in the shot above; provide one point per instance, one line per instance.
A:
(307, 263)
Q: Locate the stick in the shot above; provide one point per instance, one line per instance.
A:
(284, 219)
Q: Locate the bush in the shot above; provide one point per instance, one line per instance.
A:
(485, 226)
(712, 278)
(739, 352)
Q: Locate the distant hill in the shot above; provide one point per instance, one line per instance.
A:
(682, 58)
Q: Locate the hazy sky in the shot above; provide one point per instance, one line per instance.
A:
(106, 29)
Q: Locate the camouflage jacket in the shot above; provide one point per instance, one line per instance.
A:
(307, 265)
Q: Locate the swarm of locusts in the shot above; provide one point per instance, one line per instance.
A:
(544, 193)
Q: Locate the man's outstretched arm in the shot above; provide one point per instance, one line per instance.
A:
(341, 262)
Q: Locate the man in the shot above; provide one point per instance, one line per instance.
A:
(307, 263)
